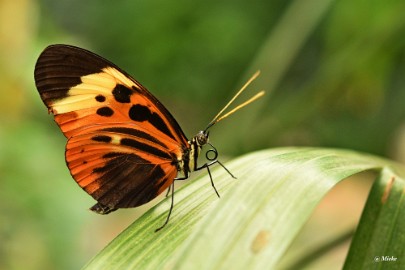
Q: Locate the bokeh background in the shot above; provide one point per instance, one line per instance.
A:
(333, 71)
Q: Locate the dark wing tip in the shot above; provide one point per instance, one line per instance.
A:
(102, 209)
(60, 67)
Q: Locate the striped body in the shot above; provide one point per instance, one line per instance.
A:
(188, 162)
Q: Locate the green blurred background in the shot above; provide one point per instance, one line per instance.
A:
(333, 71)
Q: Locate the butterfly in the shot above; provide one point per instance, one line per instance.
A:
(123, 147)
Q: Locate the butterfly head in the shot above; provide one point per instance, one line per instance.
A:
(202, 137)
(199, 140)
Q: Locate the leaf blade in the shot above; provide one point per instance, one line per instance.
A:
(245, 228)
(381, 230)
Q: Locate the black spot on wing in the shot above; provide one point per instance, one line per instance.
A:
(100, 98)
(111, 155)
(105, 111)
(145, 148)
(135, 133)
(139, 113)
(122, 94)
(101, 138)
(142, 113)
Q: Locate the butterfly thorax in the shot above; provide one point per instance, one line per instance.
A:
(188, 163)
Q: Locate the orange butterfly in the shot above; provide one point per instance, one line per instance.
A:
(124, 147)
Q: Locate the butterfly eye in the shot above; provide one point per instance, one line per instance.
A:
(201, 138)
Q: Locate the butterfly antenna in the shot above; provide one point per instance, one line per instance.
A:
(218, 117)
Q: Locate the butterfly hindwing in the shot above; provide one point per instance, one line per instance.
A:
(123, 144)
(120, 166)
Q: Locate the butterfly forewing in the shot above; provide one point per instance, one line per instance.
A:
(80, 88)
(123, 144)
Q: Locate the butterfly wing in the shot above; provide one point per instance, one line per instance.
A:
(123, 144)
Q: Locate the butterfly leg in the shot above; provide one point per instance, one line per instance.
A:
(212, 181)
(170, 210)
(168, 191)
(213, 160)
(223, 166)
(171, 188)
(207, 166)
(185, 177)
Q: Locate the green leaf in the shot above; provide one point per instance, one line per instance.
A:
(253, 223)
(380, 239)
